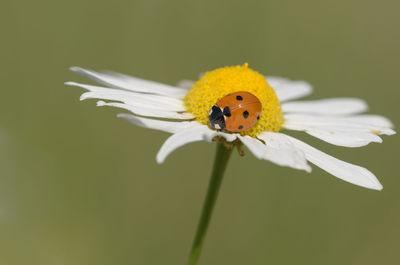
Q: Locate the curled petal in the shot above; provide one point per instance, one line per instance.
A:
(277, 149)
(196, 132)
(347, 138)
(165, 126)
(149, 112)
(349, 131)
(332, 106)
(348, 172)
(131, 83)
(353, 121)
(287, 89)
(131, 98)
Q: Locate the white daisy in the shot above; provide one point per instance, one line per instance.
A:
(184, 110)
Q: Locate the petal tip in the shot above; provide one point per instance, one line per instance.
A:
(307, 168)
(100, 103)
(83, 97)
(69, 83)
(160, 159)
(390, 132)
(376, 186)
(75, 69)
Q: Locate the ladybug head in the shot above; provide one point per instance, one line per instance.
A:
(216, 118)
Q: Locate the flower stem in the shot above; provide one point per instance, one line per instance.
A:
(221, 160)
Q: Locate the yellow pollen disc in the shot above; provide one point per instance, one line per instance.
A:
(216, 84)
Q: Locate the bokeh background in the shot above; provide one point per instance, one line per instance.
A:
(79, 186)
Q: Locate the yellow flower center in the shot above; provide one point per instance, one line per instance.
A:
(216, 84)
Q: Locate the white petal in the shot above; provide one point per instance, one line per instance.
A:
(131, 83)
(185, 84)
(287, 89)
(350, 138)
(165, 126)
(352, 121)
(148, 112)
(196, 132)
(210, 134)
(131, 98)
(351, 131)
(183, 132)
(174, 127)
(276, 149)
(332, 106)
(340, 169)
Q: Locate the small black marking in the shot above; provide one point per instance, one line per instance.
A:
(227, 111)
(245, 114)
(240, 127)
(239, 97)
(258, 117)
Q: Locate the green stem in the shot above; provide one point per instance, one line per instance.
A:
(221, 160)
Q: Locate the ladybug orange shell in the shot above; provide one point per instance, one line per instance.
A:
(235, 112)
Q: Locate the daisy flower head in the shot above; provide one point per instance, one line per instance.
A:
(224, 104)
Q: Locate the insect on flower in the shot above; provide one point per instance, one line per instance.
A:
(235, 112)
(241, 105)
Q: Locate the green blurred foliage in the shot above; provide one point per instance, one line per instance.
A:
(79, 186)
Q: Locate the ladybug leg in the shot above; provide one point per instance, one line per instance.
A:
(240, 150)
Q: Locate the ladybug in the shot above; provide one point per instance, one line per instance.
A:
(235, 112)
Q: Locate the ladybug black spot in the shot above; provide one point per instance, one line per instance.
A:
(240, 127)
(227, 111)
(239, 97)
(245, 114)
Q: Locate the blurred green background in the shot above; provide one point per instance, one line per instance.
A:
(79, 186)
